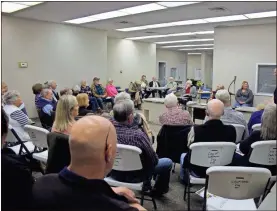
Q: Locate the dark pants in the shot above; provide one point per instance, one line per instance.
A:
(93, 104)
(102, 100)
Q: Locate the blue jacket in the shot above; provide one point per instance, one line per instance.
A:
(256, 118)
(43, 102)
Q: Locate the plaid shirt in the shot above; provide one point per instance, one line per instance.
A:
(175, 116)
(132, 135)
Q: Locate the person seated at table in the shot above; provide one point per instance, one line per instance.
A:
(174, 115)
(244, 96)
(190, 89)
(135, 92)
(155, 84)
(100, 93)
(256, 117)
(17, 118)
(144, 85)
(83, 103)
(171, 86)
(67, 110)
(81, 185)
(111, 89)
(211, 131)
(268, 132)
(37, 88)
(123, 117)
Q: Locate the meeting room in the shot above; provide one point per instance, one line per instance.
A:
(138, 105)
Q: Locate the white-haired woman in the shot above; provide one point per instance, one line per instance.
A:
(111, 89)
(190, 89)
(66, 111)
(174, 115)
(17, 118)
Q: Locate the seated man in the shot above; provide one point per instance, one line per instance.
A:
(135, 92)
(154, 83)
(53, 86)
(126, 134)
(100, 93)
(81, 185)
(212, 131)
(171, 86)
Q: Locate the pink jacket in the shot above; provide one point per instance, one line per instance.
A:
(111, 90)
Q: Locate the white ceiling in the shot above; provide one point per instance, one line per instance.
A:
(61, 11)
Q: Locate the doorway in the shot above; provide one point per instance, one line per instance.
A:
(162, 73)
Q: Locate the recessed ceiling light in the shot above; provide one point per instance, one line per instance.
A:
(10, 7)
(194, 53)
(170, 35)
(181, 41)
(183, 46)
(226, 18)
(194, 49)
(261, 14)
(142, 8)
(176, 3)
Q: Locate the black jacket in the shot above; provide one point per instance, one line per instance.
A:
(151, 84)
(56, 94)
(275, 96)
(172, 142)
(17, 181)
(83, 111)
(58, 152)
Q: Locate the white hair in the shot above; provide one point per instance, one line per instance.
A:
(123, 109)
(76, 88)
(10, 97)
(268, 130)
(49, 83)
(215, 109)
(109, 80)
(224, 96)
(189, 82)
(45, 92)
(121, 97)
(170, 101)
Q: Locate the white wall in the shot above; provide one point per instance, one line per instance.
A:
(237, 50)
(53, 51)
(133, 58)
(194, 61)
(173, 59)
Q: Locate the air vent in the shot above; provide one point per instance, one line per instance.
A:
(218, 9)
(123, 22)
(150, 32)
(192, 37)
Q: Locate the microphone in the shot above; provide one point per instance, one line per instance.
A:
(233, 82)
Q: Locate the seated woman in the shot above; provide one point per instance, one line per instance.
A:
(37, 88)
(83, 103)
(219, 87)
(256, 117)
(190, 89)
(93, 103)
(174, 115)
(66, 91)
(66, 111)
(267, 132)
(17, 118)
(244, 96)
(110, 89)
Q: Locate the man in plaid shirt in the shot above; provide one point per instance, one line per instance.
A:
(130, 134)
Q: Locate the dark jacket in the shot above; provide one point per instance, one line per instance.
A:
(69, 191)
(172, 142)
(58, 152)
(46, 120)
(56, 94)
(275, 96)
(211, 131)
(256, 118)
(17, 181)
(83, 111)
(151, 84)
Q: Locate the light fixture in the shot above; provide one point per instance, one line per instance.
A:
(29, 3)
(9, 7)
(181, 46)
(194, 53)
(142, 8)
(169, 35)
(261, 14)
(181, 41)
(194, 49)
(226, 18)
(176, 3)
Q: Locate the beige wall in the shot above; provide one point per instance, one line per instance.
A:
(53, 51)
(237, 50)
(194, 61)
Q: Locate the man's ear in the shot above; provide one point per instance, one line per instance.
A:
(108, 153)
(207, 114)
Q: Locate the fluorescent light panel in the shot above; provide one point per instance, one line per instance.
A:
(9, 7)
(194, 53)
(181, 46)
(194, 49)
(226, 18)
(261, 14)
(181, 41)
(176, 3)
(142, 9)
(170, 35)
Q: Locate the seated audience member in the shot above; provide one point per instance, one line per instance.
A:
(144, 85)
(111, 89)
(135, 92)
(76, 90)
(190, 89)
(230, 116)
(100, 93)
(211, 131)
(123, 117)
(53, 86)
(84, 88)
(37, 88)
(16, 177)
(83, 103)
(93, 102)
(171, 86)
(67, 110)
(17, 118)
(256, 117)
(81, 185)
(154, 83)
(66, 91)
(174, 115)
(218, 87)
(244, 96)
(4, 90)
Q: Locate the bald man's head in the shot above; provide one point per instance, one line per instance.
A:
(215, 109)
(92, 145)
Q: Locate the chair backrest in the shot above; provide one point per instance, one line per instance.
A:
(239, 131)
(256, 127)
(263, 153)
(207, 154)
(11, 137)
(127, 158)
(38, 135)
(237, 182)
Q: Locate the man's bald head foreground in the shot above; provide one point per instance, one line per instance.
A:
(92, 144)
(215, 109)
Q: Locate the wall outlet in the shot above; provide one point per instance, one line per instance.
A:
(22, 64)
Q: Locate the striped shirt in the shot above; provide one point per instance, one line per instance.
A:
(20, 117)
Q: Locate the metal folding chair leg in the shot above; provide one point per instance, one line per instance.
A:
(173, 169)
(154, 203)
(142, 199)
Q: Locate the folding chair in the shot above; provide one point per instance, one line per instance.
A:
(239, 131)
(207, 154)
(236, 182)
(39, 138)
(256, 127)
(128, 159)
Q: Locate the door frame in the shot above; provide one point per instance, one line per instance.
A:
(157, 71)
